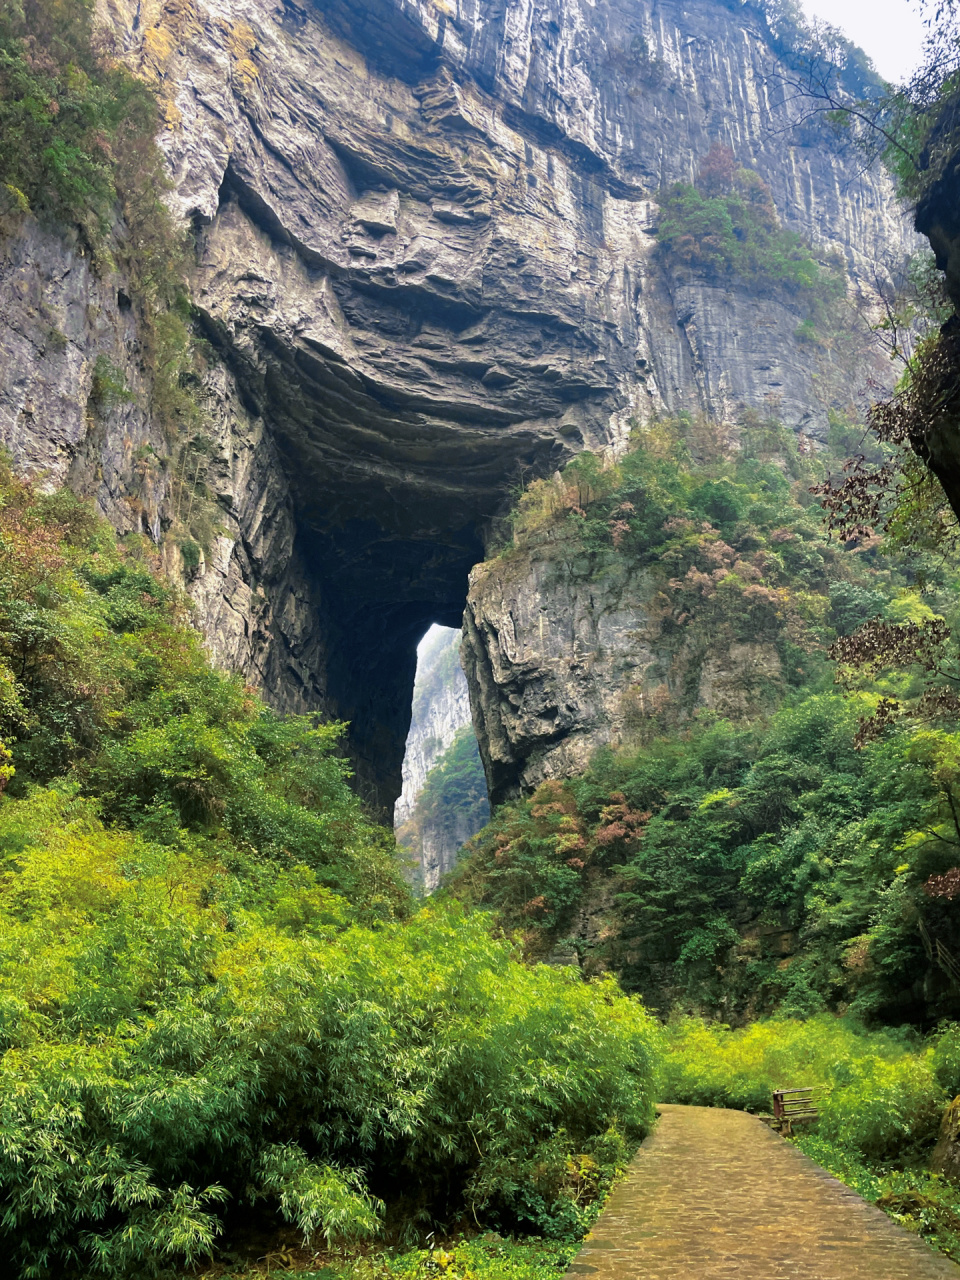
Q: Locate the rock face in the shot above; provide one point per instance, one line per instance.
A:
(441, 706)
(938, 218)
(439, 845)
(562, 660)
(426, 266)
(441, 709)
(937, 215)
(58, 321)
(946, 1154)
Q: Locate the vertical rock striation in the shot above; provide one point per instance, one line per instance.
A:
(562, 659)
(426, 267)
(434, 832)
(441, 706)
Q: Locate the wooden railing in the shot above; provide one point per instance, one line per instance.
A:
(938, 954)
(792, 1106)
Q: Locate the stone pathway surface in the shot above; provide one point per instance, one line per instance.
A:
(715, 1194)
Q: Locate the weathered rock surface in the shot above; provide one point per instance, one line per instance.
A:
(441, 706)
(58, 318)
(439, 844)
(426, 263)
(938, 218)
(946, 1154)
(561, 661)
(937, 215)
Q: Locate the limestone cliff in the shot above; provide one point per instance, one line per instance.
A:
(441, 706)
(425, 267)
(443, 802)
(937, 434)
(566, 652)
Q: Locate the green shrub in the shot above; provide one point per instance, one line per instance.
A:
(190, 553)
(109, 386)
(881, 1107)
(727, 227)
(174, 1048)
(215, 999)
(879, 1095)
(746, 869)
(946, 1058)
(484, 1259)
(59, 113)
(749, 856)
(487, 1257)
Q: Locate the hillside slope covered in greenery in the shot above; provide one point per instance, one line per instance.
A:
(786, 859)
(779, 885)
(218, 1005)
(225, 1024)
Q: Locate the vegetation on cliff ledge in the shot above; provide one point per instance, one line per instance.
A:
(780, 854)
(787, 867)
(78, 154)
(726, 227)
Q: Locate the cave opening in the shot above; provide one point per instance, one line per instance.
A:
(394, 436)
(379, 598)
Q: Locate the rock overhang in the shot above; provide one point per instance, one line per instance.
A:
(427, 260)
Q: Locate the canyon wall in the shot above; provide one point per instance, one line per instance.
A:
(565, 655)
(432, 826)
(426, 269)
(937, 416)
(441, 706)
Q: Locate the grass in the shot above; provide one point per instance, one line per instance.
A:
(486, 1257)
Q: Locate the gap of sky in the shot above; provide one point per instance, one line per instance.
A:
(889, 31)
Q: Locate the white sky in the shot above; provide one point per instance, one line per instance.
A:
(890, 31)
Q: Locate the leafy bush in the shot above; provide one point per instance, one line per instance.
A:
(60, 113)
(749, 858)
(483, 1259)
(727, 226)
(530, 861)
(880, 1095)
(77, 144)
(177, 1036)
(746, 869)
(486, 1257)
(946, 1058)
(214, 997)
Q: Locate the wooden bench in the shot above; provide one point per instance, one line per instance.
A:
(792, 1106)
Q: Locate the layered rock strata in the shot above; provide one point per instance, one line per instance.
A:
(426, 268)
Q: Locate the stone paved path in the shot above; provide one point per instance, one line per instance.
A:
(715, 1194)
